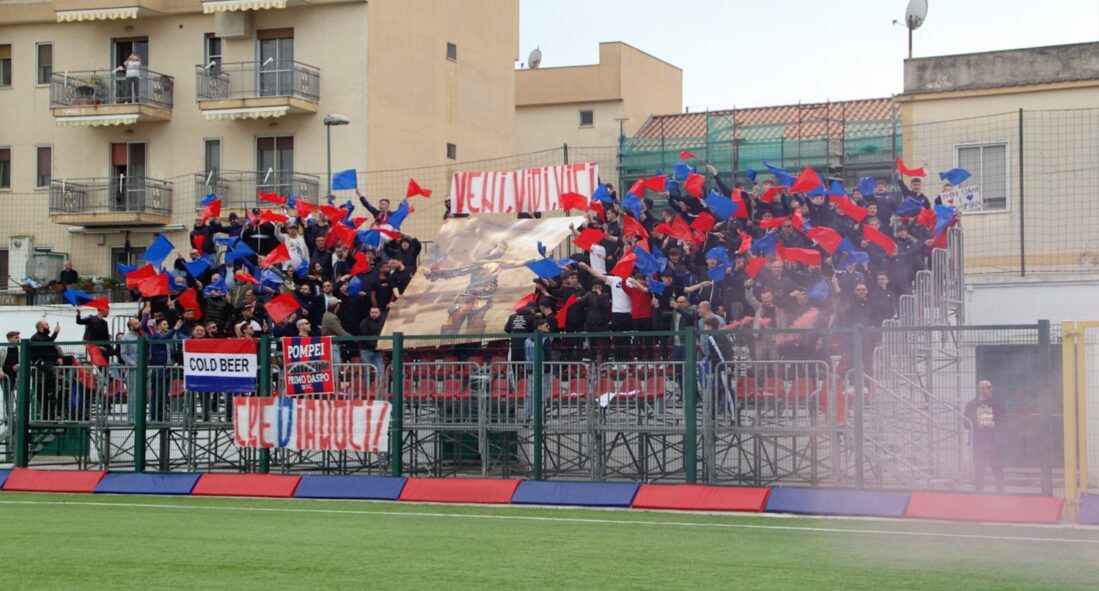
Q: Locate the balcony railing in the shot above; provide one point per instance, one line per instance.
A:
(111, 87)
(238, 189)
(250, 80)
(110, 196)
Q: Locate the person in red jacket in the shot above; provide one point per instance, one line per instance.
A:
(642, 313)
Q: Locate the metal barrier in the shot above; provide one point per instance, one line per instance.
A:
(244, 80)
(111, 87)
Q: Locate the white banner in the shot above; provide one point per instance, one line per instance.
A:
(963, 198)
(309, 424)
(521, 191)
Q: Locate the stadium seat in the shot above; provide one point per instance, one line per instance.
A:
(246, 485)
(695, 497)
(419, 390)
(584, 494)
(990, 508)
(802, 388)
(379, 488)
(815, 501)
(147, 483)
(459, 490)
(59, 481)
(453, 389)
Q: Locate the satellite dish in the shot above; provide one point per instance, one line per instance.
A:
(535, 59)
(915, 14)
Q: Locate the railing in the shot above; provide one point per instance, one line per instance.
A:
(238, 189)
(111, 87)
(244, 80)
(111, 195)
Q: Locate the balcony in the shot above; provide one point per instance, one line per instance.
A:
(253, 90)
(99, 98)
(133, 201)
(238, 189)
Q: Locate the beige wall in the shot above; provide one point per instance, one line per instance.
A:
(627, 83)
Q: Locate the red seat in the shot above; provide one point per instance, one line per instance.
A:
(802, 388)
(654, 387)
(772, 387)
(419, 390)
(453, 389)
(574, 388)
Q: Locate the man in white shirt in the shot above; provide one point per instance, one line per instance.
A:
(621, 308)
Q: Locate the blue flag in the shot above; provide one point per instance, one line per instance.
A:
(645, 262)
(174, 284)
(292, 201)
(632, 204)
(853, 257)
(240, 251)
(158, 251)
(783, 177)
(659, 256)
(397, 217)
(602, 194)
(845, 246)
(354, 286)
(719, 254)
(229, 241)
(545, 268)
(125, 270)
(717, 273)
(816, 192)
(197, 267)
(681, 171)
(207, 200)
(565, 263)
(657, 287)
(866, 185)
(836, 189)
(721, 206)
(954, 176)
(765, 246)
(270, 278)
(302, 269)
(751, 174)
(371, 238)
(345, 179)
(944, 214)
(218, 285)
(910, 207)
(820, 291)
(76, 297)
(541, 249)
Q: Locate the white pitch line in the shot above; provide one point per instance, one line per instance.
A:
(580, 520)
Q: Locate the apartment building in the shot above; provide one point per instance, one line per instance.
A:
(119, 115)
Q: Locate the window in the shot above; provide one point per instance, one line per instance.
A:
(131, 257)
(212, 156)
(987, 163)
(587, 118)
(5, 168)
(212, 53)
(275, 164)
(452, 151)
(5, 65)
(45, 63)
(4, 268)
(45, 166)
(452, 52)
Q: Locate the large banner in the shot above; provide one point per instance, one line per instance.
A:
(521, 191)
(963, 198)
(219, 365)
(310, 424)
(473, 275)
(308, 363)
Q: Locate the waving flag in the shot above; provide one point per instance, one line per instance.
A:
(720, 205)
(158, 251)
(415, 189)
(587, 238)
(135, 277)
(807, 181)
(570, 201)
(563, 313)
(280, 255)
(197, 267)
(398, 216)
(909, 171)
(544, 268)
(345, 179)
(955, 176)
(885, 242)
(272, 198)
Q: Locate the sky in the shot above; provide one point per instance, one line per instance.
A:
(736, 53)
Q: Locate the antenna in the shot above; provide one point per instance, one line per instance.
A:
(535, 59)
(914, 16)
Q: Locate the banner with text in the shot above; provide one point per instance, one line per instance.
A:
(308, 424)
(521, 191)
(308, 362)
(219, 365)
(964, 199)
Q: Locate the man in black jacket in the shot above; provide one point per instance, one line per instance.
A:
(371, 326)
(985, 415)
(46, 358)
(11, 373)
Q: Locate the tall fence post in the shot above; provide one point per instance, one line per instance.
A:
(264, 355)
(137, 399)
(1022, 201)
(538, 393)
(396, 424)
(690, 406)
(22, 406)
(860, 396)
(565, 152)
(1045, 412)
(1069, 336)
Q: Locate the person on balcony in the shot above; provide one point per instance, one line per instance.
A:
(68, 276)
(132, 85)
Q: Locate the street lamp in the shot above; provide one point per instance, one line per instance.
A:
(329, 121)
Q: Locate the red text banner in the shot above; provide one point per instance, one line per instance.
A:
(307, 424)
(521, 191)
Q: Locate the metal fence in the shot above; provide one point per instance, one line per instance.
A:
(111, 87)
(270, 78)
(107, 195)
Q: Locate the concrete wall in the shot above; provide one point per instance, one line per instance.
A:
(1027, 300)
(993, 69)
(541, 127)
(22, 318)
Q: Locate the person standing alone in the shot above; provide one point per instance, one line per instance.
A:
(985, 414)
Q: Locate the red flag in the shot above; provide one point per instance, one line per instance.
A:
(850, 209)
(681, 230)
(210, 212)
(741, 206)
(797, 221)
(807, 181)
(280, 255)
(704, 223)
(655, 184)
(910, 171)
(361, 264)
(246, 277)
(926, 218)
(942, 240)
(685, 155)
(100, 304)
(638, 187)
(343, 234)
(189, 300)
(587, 238)
(415, 189)
(563, 313)
(745, 242)
(805, 256)
(282, 306)
(135, 277)
(95, 356)
(525, 301)
(597, 207)
(773, 222)
(304, 208)
(770, 194)
(632, 227)
(269, 216)
(694, 183)
(885, 242)
(154, 286)
(358, 221)
(754, 265)
(272, 198)
(624, 266)
(826, 237)
(334, 214)
(198, 241)
(571, 201)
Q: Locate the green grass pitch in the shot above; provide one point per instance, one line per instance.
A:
(144, 542)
